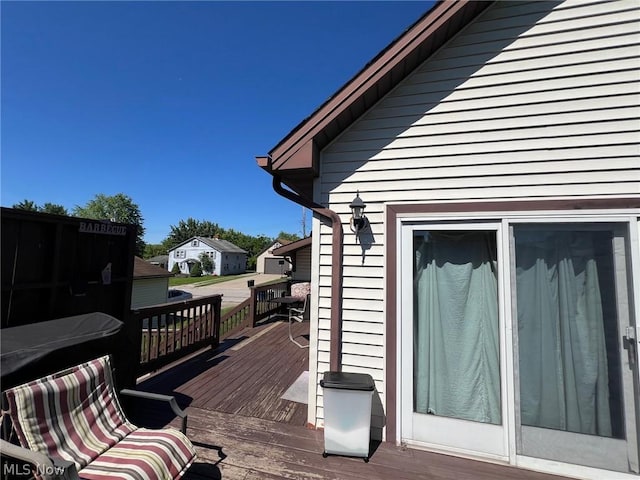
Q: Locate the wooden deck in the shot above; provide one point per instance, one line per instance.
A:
(246, 375)
(242, 429)
(235, 447)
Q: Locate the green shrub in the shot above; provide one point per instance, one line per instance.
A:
(176, 269)
(206, 263)
(196, 270)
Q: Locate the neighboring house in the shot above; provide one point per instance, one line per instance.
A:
(160, 260)
(298, 257)
(494, 295)
(227, 258)
(150, 284)
(267, 262)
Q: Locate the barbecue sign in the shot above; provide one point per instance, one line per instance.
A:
(102, 228)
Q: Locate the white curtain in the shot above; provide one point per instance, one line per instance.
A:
(564, 380)
(456, 348)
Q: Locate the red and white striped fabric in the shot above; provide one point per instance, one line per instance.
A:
(75, 415)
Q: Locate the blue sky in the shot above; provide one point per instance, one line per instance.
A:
(170, 102)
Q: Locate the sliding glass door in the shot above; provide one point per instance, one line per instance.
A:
(576, 385)
(518, 340)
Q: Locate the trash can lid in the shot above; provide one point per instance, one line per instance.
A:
(348, 381)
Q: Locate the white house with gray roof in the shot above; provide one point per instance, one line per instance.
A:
(227, 258)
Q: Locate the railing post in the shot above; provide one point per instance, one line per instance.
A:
(128, 354)
(215, 338)
(190, 325)
(253, 308)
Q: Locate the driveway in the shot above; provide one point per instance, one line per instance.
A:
(234, 291)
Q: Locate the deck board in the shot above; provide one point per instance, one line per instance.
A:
(242, 429)
(264, 449)
(247, 375)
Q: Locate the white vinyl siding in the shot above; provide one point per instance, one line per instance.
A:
(149, 291)
(303, 265)
(235, 262)
(231, 264)
(531, 101)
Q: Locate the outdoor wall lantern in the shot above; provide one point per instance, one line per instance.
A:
(358, 220)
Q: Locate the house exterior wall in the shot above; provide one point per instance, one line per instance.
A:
(149, 291)
(193, 252)
(224, 263)
(232, 263)
(530, 101)
(303, 265)
(216, 258)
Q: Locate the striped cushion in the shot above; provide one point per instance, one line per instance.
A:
(144, 454)
(75, 415)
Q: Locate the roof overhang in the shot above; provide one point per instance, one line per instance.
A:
(295, 159)
(292, 247)
(142, 269)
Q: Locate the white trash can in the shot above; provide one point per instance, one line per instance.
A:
(347, 413)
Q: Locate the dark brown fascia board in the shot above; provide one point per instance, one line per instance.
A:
(299, 170)
(297, 150)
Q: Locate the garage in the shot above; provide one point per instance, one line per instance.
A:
(276, 265)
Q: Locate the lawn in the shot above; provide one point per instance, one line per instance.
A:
(206, 280)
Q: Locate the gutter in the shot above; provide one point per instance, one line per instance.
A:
(335, 342)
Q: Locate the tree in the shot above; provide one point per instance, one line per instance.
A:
(176, 269)
(153, 250)
(117, 208)
(206, 262)
(26, 205)
(48, 207)
(196, 270)
(190, 228)
(252, 245)
(54, 208)
(288, 236)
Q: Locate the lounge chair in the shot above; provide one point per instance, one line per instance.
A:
(70, 425)
(301, 291)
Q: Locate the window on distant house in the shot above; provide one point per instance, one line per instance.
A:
(181, 254)
(194, 243)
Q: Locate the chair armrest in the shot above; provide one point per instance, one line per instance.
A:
(47, 468)
(296, 314)
(162, 398)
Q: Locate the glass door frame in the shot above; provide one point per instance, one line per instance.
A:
(630, 226)
(429, 220)
(489, 441)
